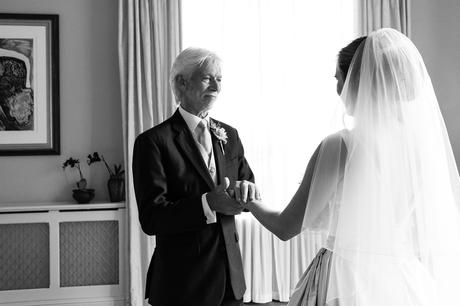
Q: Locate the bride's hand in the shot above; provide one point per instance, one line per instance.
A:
(251, 203)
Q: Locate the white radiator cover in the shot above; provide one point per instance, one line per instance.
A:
(62, 253)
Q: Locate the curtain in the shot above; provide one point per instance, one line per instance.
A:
(377, 14)
(278, 90)
(149, 40)
(272, 267)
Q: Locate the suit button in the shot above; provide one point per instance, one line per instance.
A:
(236, 237)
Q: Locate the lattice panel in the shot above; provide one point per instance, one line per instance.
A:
(88, 253)
(24, 256)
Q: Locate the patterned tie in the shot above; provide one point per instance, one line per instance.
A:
(203, 136)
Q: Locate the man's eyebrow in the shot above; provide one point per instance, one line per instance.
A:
(210, 74)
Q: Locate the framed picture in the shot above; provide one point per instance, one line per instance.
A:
(29, 84)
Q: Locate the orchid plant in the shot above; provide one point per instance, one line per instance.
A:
(115, 172)
(75, 163)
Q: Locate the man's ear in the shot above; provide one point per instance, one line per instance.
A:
(182, 82)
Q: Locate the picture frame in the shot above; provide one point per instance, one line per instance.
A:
(29, 84)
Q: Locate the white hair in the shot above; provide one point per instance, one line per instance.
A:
(187, 62)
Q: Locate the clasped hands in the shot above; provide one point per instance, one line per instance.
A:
(232, 201)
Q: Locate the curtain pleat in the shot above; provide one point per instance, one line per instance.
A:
(149, 39)
(377, 14)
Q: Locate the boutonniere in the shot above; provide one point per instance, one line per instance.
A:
(220, 134)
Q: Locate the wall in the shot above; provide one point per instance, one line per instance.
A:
(89, 101)
(435, 31)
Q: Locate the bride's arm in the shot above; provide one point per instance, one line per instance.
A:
(287, 223)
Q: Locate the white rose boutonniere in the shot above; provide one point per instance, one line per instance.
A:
(220, 134)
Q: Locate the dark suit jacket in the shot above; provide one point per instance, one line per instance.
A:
(192, 260)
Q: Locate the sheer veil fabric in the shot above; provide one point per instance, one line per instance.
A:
(387, 191)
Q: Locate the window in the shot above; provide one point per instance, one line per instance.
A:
(278, 85)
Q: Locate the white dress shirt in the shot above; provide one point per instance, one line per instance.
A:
(192, 122)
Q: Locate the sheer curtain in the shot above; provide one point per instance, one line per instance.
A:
(377, 14)
(279, 92)
(149, 40)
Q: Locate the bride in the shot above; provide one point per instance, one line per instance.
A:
(385, 192)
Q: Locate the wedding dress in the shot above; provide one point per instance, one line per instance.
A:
(387, 191)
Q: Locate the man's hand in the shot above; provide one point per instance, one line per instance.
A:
(220, 201)
(246, 191)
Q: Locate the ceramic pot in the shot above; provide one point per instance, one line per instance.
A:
(83, 196)
(116, 188)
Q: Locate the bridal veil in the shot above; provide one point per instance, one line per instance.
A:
(387, 191)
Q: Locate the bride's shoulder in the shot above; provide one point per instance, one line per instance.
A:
(337, 137)
(335, 145)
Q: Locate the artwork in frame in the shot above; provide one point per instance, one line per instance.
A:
(29, 84)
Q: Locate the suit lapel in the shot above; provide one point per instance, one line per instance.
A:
(185, 141)
(219, 158)
(228, 228)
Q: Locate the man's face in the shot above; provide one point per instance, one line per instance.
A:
(201, 90)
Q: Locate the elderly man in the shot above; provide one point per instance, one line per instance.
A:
(180, 170)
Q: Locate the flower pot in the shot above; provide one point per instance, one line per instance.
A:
(83, 196)
(116, 188)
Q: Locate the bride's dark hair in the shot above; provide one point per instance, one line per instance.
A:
(346, 55)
